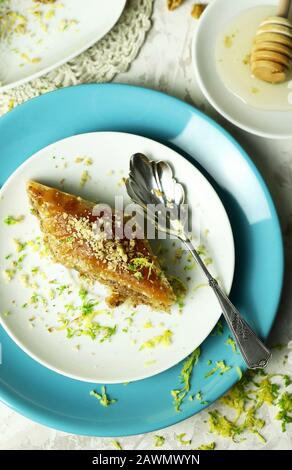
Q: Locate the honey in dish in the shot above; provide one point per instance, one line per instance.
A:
(233, 63)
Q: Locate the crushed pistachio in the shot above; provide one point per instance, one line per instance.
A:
(86, 160)
(150, 362)
(93, 330)
(12, 22)
(17, 264)
(208, 260)
(85, 177)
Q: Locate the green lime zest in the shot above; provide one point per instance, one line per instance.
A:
(179, 288)
(182, 441)
(247, 398)
(102, 397)
(19, 246)
(159, 441)
(185, 377)
(222, 426)
(83, 294)
(12, 220)
(137, 264)
(231, 342)
(239, 372)
(285, 413)
(116, 445)
(220, 366)
(165, 339)
(211, 446)
(218, 330)
(199, 397)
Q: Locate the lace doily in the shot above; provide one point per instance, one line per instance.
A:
(111, 55)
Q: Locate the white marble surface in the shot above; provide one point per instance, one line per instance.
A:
(165, 64)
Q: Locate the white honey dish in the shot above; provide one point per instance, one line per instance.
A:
(270, 124)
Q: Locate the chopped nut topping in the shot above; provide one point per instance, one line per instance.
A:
(174, 4)
(197, 10)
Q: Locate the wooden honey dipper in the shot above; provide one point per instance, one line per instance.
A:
(271, 55)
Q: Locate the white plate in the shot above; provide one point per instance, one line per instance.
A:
(272, 124)
(119, 360)
(74, 28)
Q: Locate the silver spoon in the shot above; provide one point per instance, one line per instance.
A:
(152, 183)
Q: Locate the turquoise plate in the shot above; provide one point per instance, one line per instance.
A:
(146, 405)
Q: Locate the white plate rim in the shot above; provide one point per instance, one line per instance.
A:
(69, 57)
(228, 287)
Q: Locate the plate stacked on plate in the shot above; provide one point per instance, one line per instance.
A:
(209, 153)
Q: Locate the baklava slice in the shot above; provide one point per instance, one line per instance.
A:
(127, 266)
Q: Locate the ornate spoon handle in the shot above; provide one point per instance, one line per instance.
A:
(255, 353)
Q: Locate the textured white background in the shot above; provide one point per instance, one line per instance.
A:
(165, 64)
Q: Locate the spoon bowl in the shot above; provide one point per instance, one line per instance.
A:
(151, 181)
